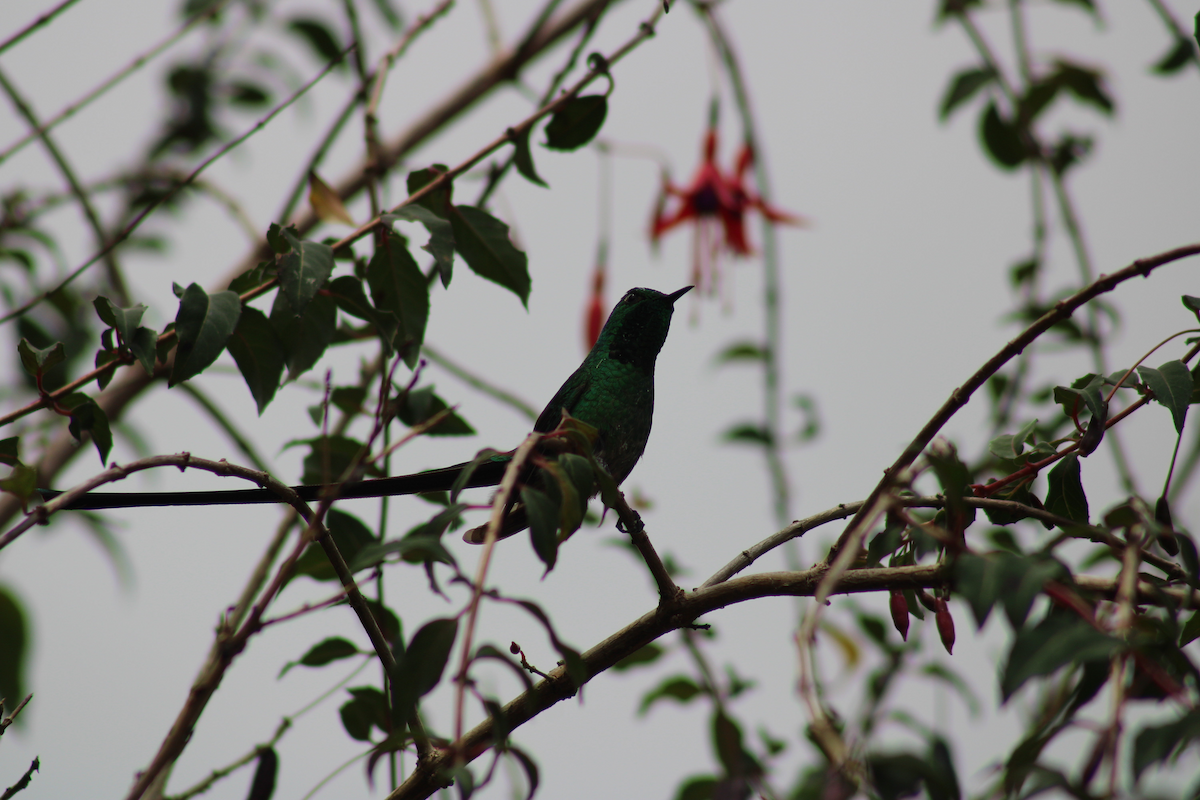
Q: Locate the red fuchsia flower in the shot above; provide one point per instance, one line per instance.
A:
(718, 203)
(594, 315)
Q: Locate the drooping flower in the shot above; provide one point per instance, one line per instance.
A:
(594, 315)
(718, 203)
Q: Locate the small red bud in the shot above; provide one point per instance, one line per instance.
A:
(899, 608)
(514, 648)
(594, 316)
(945, 624)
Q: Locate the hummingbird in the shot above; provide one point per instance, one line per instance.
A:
(612, 391)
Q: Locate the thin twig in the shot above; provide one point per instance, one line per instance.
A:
(37, 23)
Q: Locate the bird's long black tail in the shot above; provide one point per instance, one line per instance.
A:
(438, 480)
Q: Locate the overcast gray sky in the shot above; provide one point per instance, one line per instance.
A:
(891, 299)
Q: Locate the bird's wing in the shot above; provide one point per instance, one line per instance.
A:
(566, 398)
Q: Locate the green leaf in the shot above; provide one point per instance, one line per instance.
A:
(1001, 139)
(679, 687)
(1065, 494)
(317, 35)
(278, 242)
(576, 122)
(747, 433)
(329, 457)
(523, 158)
(124, 320)
(963, 86)
(644, 655)
(203, 325)
(437, 200)
(39, 362)
(86, 415)
(262, 787)
(1060, 639)
(741, 351)
(418, 405)
(1171, 384)
(420, 668)
(397, 285)
(349, 534)
(22, 482)
(1191, 630)
(1179, 56)
(978, 580)
(303, 272)
(324, 652)
(1086, 84)
(259, 355)
(531, 770)
(367, 709)
(14, 655)
(441, 236)
(543, 515)
(305, 338)
(144, 347)
(1156, 743)
(482, 241)
(1191, 303)
(1011, 446)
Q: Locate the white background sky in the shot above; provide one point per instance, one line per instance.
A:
(893, 297)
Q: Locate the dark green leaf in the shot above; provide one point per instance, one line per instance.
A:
(14, 655)
(263, 785)
(678, 687)
(523, 158)
(963, 86)
(576, 122)
(1001, 139)
(422, 665)
(1191, 303)
(441, 236)
(259, 354)
(305, 338)
(543, 514)
(38, 362)
(646, 654)
(349, 534)
(531, 770)
(1191, 630)
(367, 709)
(897, 775)
(1086, 84)
(438, 199)
(144, 348)
(702, 787)
(1065, 495)
(397, 285)
(203, 325)
(124, 320)
(1171, 384)
(747, 433)
(317, 35)
(1010, 446)
(419, 405)
(86, 415)
(1179, 56)
(978, 580)
(279, 243)
(1060, 639)
(325, 652)
(1156, 743)
(303, 272)
(741, 351)
(250, 95)
(482, 241)
(727, 743)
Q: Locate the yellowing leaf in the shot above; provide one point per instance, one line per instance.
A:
(325, 202)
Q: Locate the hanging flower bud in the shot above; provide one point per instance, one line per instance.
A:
(945, 624)
(899, 607)
(595, 316)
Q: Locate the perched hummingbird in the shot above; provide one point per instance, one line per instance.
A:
(612, 391)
